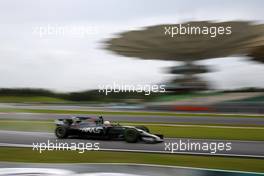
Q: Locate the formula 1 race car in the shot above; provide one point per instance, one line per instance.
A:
(97, 128)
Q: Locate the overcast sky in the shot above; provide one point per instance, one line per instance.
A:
(73, 62)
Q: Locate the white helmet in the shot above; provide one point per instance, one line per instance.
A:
(107, 123)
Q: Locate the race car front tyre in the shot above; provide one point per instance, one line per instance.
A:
(61, 132)
(131, 135)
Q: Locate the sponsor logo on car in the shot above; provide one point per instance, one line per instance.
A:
(91, 129)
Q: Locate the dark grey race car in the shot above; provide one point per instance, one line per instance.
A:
(97, 128)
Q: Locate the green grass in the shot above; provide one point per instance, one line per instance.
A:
(257, 99)
(201, 132)
(30, 99)
(226, 163)
(27, 125)
(134, 113)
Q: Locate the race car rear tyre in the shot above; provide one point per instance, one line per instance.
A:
(61, 132)
(131, 135)
(144, 128)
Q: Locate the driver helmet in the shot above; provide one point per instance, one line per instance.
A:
(107, 123)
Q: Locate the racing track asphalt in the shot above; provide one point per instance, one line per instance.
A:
(161, 119)
(239, 148)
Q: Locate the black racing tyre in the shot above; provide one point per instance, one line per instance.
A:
(61, 132)
(131, 135)
(144, 128)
